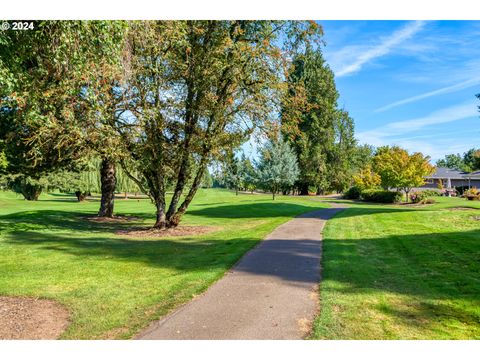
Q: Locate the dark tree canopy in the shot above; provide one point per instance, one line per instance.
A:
(50, 120)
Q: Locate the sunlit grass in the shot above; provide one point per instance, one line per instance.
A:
(113, 286)
(399, 272)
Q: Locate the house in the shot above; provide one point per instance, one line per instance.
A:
(474, 179)
(451, 178)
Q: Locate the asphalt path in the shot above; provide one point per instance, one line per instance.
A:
(272, 293)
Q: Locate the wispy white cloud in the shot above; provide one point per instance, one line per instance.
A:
(445, 115)
(394, 133)
(364, 55)
(445, 90)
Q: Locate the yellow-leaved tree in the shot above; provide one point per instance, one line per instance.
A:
(366, 179)
(398, 169)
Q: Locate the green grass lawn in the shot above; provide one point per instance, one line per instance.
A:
(389, 272)
(399, 272)
(112, 285)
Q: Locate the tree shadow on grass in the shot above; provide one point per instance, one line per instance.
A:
(434, 265)
(251, 210)
(439, 271)
(292, 260)
(76, 220)
(280, 209)
(63, 220)
(432, 316)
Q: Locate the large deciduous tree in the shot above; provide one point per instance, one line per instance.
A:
(196, 89)
(51, 78)
(471, 159)
(452, 161)
(366, 179)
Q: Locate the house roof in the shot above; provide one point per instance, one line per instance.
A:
(473, 175)
(445, 173)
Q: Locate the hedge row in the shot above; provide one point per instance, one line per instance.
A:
(373, 195)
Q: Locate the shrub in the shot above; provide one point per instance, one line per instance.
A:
(472, 194)
(418, 196)
(431, 192)
(381, 196)
(422, 197)
(353, 193)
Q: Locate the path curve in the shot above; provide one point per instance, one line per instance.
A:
(270, 294)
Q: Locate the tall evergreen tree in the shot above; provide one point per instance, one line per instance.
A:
(308, 117)
(232, 172)
(248, 174)
(239, 173)
(340, 158)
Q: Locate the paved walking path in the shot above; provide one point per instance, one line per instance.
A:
(270, 294)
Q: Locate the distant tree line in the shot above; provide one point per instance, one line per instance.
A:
(313, 130)
(86, 105)
(469, 161)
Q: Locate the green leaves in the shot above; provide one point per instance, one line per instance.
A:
(277, 167)
(166, 96)
(320, 133)
(398, 169)
(470, 161)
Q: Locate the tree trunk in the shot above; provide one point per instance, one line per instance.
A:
(81, 195)
(30, 192)
(236, 191)
(161, 221)
(109, 181)
(174, 220)
(319, 191)
(303, 189)
(181, 182)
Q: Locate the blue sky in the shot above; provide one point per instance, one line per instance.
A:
(409, 83)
